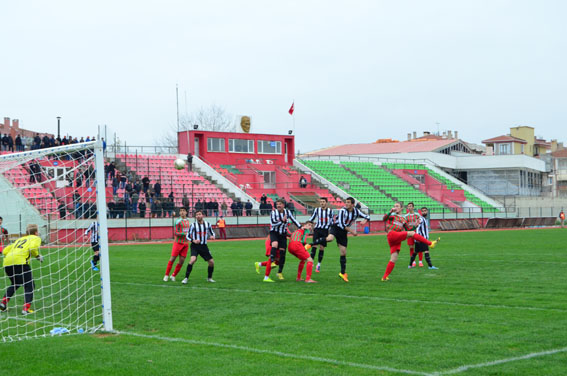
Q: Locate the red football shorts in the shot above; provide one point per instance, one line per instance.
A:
(268, 246)
(179, 249)
(411, 241)
(298, 250)
(395, 239)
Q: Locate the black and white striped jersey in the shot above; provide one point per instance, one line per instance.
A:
(423, 227)
(324, 218)
(201, 231)
(94, 229)
(346, 218)
(277, 221)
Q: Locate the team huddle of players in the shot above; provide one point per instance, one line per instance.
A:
(324, 225)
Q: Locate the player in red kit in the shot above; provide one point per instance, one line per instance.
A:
(396, 227)
(180, 245)
(297, 248)
(269, 265)
(412, 221)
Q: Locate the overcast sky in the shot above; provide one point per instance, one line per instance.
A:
(357, 70)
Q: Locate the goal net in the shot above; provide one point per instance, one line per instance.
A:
(62, 191)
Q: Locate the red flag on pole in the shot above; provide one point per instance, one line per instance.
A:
(291, 108)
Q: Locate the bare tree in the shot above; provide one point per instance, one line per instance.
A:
(212, 118)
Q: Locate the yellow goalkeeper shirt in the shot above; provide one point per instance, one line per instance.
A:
(20, 252)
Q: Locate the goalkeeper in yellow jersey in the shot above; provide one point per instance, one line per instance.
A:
(17, 267)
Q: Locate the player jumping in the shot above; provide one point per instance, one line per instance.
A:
(278, 228)
(341, 227)
(94, 229)
(396, 226)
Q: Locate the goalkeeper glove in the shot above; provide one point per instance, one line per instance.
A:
(40, 258)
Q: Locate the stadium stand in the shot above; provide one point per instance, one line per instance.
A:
(160, 168)
(379, 185)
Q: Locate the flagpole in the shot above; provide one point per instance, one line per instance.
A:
(293, 116)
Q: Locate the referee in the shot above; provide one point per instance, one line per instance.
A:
(340, 228)
(17, 267)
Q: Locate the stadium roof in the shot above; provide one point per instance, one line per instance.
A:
(412, 146)
(504, 138)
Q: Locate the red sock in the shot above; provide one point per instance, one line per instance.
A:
(27, 306)
(309, 270)
(268, 268)
(420, 238)
(420, 256)
(177, 269)
(5, 300)
(300, 268)
(410, 252)
(389, 269)
(169, 266)
(264, 263)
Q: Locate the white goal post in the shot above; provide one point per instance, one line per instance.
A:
(62, 190)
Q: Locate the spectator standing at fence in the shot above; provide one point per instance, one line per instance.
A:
(19, 143)
(62, 210)
(224, 208)
(291, 207)
(234, 209)
(248, 208)
(142, 207)
(240, 208)
(215, 206)
(562, 218)
(221, 223)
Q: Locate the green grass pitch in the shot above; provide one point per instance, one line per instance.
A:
(496, 306)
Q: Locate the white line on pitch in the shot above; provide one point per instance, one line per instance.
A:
(500, 361)
(277, 353)
(362, 297)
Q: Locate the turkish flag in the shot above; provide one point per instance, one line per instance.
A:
(291, 109)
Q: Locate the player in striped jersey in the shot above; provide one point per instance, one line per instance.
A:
(198, 234)
(324, 217)
(423, 230)
(396, 227)
(180, 245)
(344, 223)
(268, 246)
(412, 221)
(279, 219)
(298, 249)
(93, 233)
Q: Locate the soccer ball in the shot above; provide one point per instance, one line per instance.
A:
(179, 164)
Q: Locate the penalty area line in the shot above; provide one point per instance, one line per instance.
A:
(344, 296)
(500, 361)
(276, 353)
